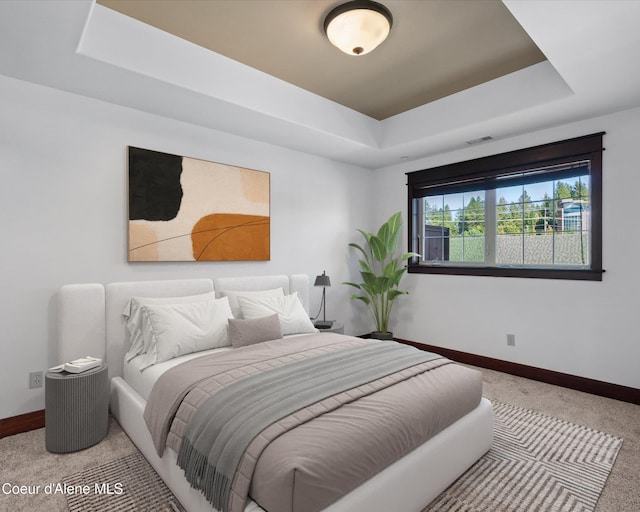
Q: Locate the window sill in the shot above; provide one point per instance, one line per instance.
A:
(537, 273)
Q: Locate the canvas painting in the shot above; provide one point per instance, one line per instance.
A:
(185, 209)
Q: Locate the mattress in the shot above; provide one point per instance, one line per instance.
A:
(143, 381)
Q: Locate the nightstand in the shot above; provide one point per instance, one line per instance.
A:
(76, 409)
(337, 327)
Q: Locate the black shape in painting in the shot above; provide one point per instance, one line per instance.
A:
(155, 192)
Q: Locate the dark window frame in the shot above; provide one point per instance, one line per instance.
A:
(483, 170)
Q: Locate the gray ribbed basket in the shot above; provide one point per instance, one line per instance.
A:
(76, 409)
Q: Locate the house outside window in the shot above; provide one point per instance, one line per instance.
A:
(528, 213)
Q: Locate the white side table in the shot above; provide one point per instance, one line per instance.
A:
(76, 409)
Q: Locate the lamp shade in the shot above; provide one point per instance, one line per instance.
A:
(322, 280)
(358, 27)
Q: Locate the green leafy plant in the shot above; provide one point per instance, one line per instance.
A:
(381, 270)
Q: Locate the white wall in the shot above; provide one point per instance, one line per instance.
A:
(589, 329)
(63, 162)
(63, 203)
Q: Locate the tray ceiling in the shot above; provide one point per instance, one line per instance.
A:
(436, 48)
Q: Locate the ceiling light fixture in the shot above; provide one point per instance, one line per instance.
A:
(359, 26)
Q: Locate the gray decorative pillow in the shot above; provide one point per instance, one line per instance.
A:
(244, 332)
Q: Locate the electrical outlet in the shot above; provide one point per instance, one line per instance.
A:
(35, 380)
(511, 340)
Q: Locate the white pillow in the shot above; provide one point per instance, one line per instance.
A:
(233, 297)
(173, 330)
(291, 313)
(134, 318)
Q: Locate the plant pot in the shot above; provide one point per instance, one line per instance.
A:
(378, 335)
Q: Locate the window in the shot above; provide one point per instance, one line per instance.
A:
(534, 212)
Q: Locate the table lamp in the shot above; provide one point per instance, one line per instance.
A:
(324, 281)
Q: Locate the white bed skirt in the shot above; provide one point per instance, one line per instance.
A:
(408, 485)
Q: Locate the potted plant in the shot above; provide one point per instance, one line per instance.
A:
(381, 270)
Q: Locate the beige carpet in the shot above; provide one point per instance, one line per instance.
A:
(26, 462)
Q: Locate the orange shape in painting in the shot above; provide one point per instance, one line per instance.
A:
(231, 237)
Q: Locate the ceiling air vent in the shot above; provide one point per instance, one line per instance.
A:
(480, 140)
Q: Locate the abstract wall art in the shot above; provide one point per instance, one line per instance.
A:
(185, 209)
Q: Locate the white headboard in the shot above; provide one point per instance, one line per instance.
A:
(90, 315)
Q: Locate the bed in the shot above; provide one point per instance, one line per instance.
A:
(91, 322)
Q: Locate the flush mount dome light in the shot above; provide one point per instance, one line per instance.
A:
(358, 27)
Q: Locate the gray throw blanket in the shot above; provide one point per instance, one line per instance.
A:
(224, 425)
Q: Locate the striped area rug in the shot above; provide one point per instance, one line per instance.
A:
(128, 484)
(536, 463)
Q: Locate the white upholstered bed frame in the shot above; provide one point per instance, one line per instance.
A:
(91, 323)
